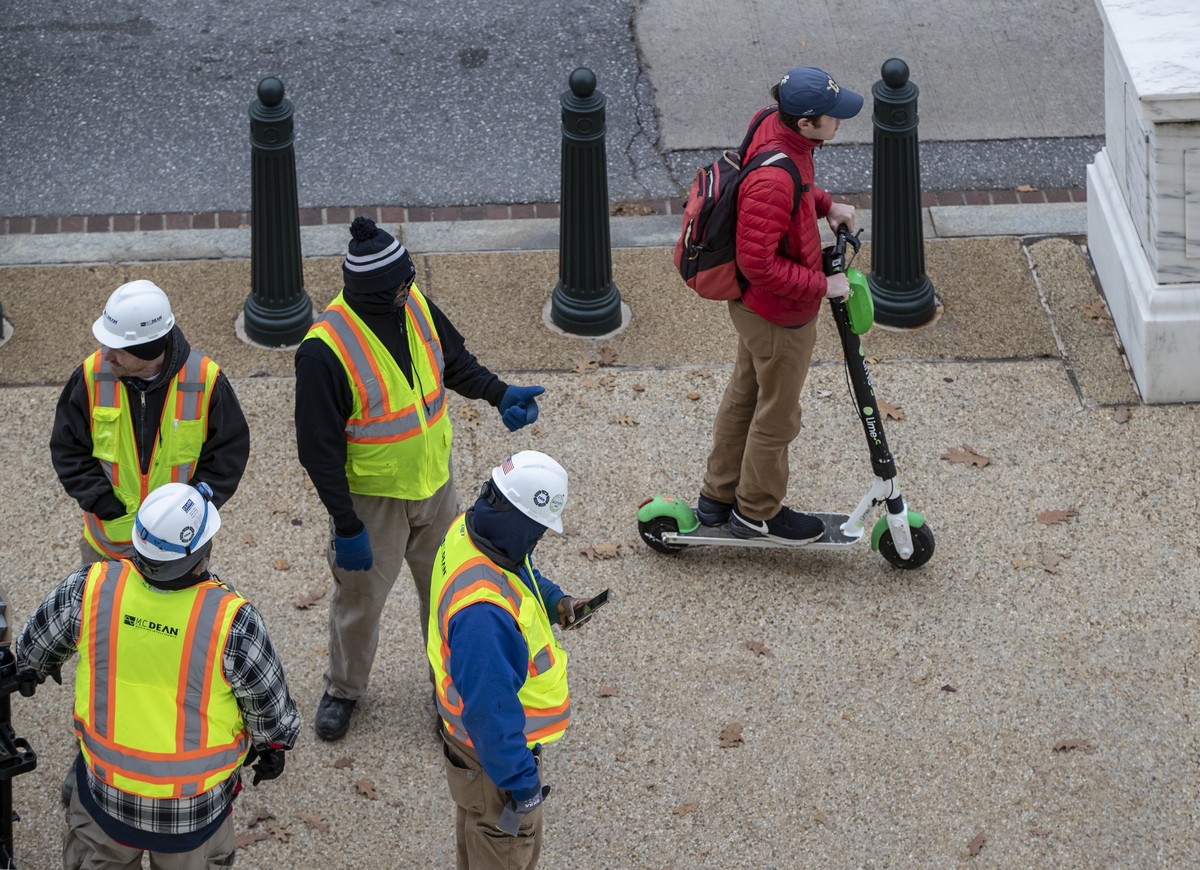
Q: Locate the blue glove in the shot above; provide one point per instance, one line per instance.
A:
(353, 552)
(518, 407)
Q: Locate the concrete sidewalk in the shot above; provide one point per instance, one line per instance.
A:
(1031, 689)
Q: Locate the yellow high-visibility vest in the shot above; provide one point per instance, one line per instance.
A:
(154, 713)
(463, 576)
(182, 430)
(398, 436)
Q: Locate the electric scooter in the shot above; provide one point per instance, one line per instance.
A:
(901, 536)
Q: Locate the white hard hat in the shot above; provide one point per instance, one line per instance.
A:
(135, 313)
(535, 484)
(173, 526)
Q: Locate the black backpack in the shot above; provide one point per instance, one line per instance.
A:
(704, 252)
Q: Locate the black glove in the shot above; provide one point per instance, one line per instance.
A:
(269, 764)
(510, 820)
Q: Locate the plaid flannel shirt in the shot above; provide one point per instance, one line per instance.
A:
(250, 665)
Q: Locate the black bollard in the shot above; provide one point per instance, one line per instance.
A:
(585, 301)
(902, 292)
(278, 311)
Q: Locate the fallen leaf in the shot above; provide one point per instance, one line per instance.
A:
(965, 455)
(638, 388)
(1085, 746)
(314, 821)
(279, 832)
(602, 551)
(702, 373)
(820, 818)
(1026, 188)
(684, 809)
(976, 845)
(366, 788)
(693, 395)
(260, 816)
(585, 366)
(1098, 311)
(624, 420)
(608, 691)
(309, 598)
(608, 356)
(731, 735)
(244, 839)
(1052, 518)
(949, 688)
(888, 411)
(281, 564)
(1040, 832)
(344, 761)
(1051, 561)
(1121, 414)
(756, 647)
(871, 360)
(248, 539)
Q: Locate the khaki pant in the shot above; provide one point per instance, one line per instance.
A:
(480, 844)
(87, 847)
(399, 531)
(759, 415)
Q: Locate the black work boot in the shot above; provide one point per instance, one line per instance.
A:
(333, 717)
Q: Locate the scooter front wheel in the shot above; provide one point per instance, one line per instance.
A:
(922, 539)
(652, 532)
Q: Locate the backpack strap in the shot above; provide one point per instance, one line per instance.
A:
(778, 158)
(771, 158)
(755, 123)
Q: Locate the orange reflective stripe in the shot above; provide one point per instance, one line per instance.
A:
(349, 356)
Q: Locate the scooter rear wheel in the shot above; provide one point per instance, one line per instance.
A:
(652, 532)
(922, 539)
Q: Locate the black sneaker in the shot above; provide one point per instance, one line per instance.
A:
(787, 526)
(333, 717)
(713, 513)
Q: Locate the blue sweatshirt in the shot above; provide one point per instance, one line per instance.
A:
(489, 661)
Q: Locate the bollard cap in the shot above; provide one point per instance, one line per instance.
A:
(806, 91)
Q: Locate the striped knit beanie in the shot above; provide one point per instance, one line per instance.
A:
(375, 261)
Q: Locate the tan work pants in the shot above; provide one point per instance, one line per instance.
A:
(759, 414)
(399, 531)
(87, 847)
(480, 844)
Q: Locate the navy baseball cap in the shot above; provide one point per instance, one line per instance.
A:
(807, 91)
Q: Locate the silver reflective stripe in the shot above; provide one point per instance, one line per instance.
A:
(409, 421)
(542, 661)
(170, 768)
(106, 384)
(104, 643)
(535, 722)
(359, 361)
(425, 327)
(468, 577)
(197, 667)
(190, 383)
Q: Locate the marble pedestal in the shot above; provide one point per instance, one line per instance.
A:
(1144, 192)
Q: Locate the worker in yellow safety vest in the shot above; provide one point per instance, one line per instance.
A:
(373, 432)
(501, 673)
(143, 410)
(177, 687)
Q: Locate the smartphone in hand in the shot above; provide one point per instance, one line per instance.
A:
(589, 609)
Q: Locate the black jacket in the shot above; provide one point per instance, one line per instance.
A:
(324, 403)
(222, 458)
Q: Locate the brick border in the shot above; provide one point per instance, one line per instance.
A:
(385, 214)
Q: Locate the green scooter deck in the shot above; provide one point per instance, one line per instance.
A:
(720, 536)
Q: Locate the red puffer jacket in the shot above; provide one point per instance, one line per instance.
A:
(781, 257)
